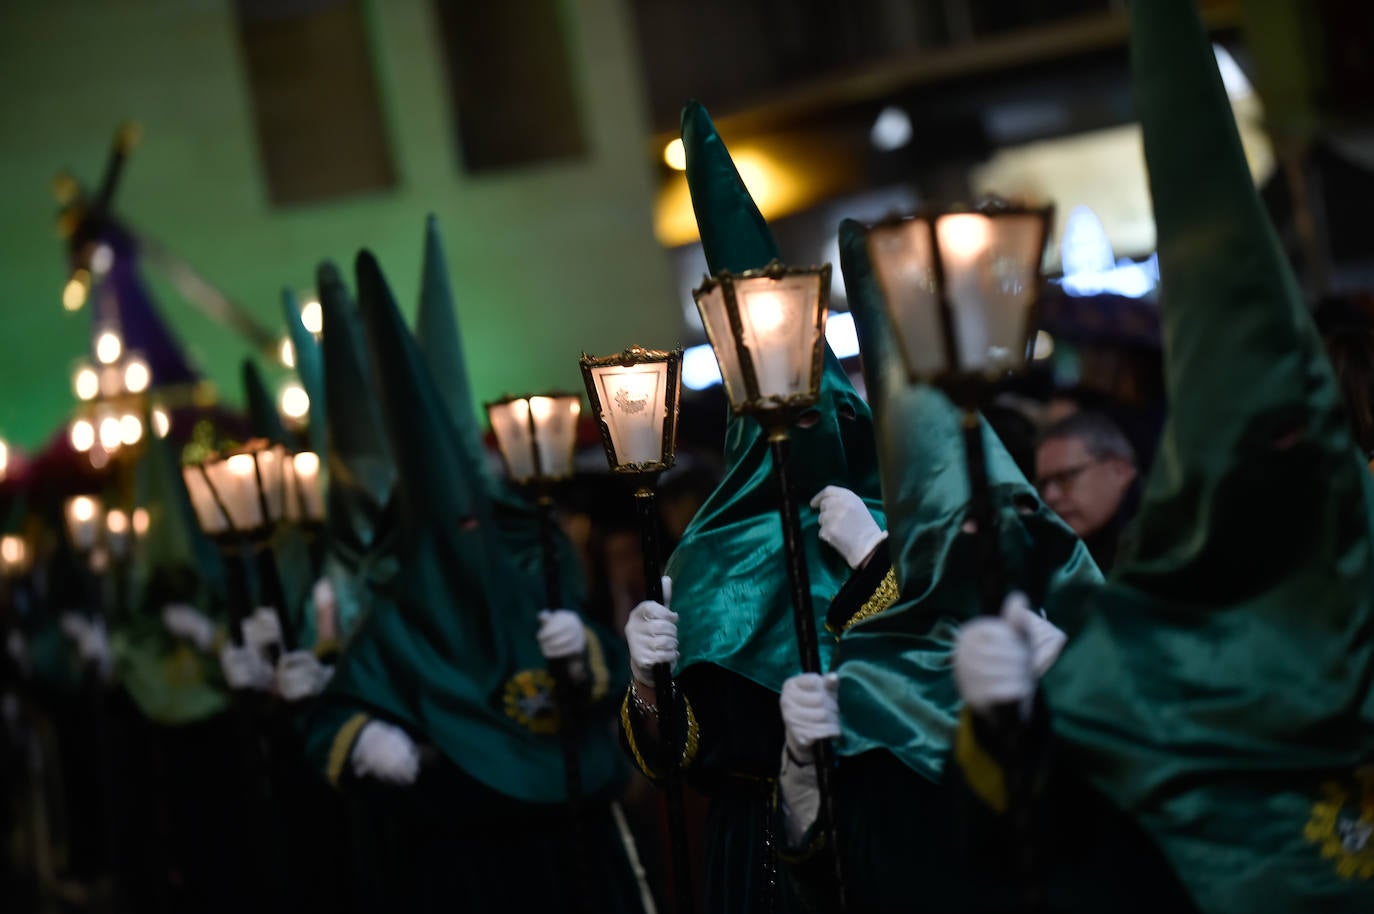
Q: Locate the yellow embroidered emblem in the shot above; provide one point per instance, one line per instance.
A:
(181, 668)
(1342, 824)
(529, 701)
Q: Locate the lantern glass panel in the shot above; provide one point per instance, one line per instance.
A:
(510, 423)
(780, 322)
(555, 432)
(634, 402)
(14, 554)
(903, 259)
(84, 515)
(117, 532)
(306, 475)
(235, 482)
(291, 494)
(208, 513)
(992, 269)
(272, 478)
(710, 301)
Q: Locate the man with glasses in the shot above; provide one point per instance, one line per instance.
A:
(1086, 472)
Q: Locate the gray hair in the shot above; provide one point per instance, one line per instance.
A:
(1102, 437)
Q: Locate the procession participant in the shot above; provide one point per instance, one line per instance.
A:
(891, 701)
(447, 668)
(1216, 692)
(730, 613)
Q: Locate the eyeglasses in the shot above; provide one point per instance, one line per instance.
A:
(1063, 478)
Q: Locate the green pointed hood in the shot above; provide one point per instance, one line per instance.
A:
(440, 342)
(361, 475)
(1219, 688)
(174, 538)
(896, 690)
(174, 562)
(309, 368)
(729, 576)
(450, 653)
(263, 418)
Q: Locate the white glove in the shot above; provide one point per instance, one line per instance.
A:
(561, 634)
(999, 659)
(651, 633)
(386, 753)
(810, 709)
(189, 624)
(1046, 639)
(89, 637)
(326, 610)
(262, 629)
(245, 668)
(810, 713)
(76, 627)
(18, 649)
(847, 525)
(300, 675)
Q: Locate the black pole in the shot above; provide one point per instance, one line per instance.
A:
(565, 698)
(272, 594)
(561, 669)
(992, 587)
(807, 647)
(669, 724)
(236, 587)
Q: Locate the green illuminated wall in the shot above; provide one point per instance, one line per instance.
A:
(546, 260)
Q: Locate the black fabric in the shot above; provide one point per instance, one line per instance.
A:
(457, 845)
(1087, 854)
(857, 590)
(739, 746)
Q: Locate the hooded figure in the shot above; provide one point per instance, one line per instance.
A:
(898, 706)
(288, 578)
(730, 589)
(1217, 690)
(168, 669)
(182, 783)
(447, 656)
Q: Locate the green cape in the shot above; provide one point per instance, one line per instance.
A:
(730, 585)
(896, 688)
(170, 681)
(1219, 688)
(450, 651)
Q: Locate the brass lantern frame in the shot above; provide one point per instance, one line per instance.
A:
(637, 355)
(963, 386)
(540, 476)
(253, 448)
(770, 409)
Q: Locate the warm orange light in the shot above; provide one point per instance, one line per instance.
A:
(675, 155)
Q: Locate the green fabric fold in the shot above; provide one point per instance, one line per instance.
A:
(729, 574)
(449, 650)
(1218, 689)
(174, 562)
(896, 688)
(362, 476)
